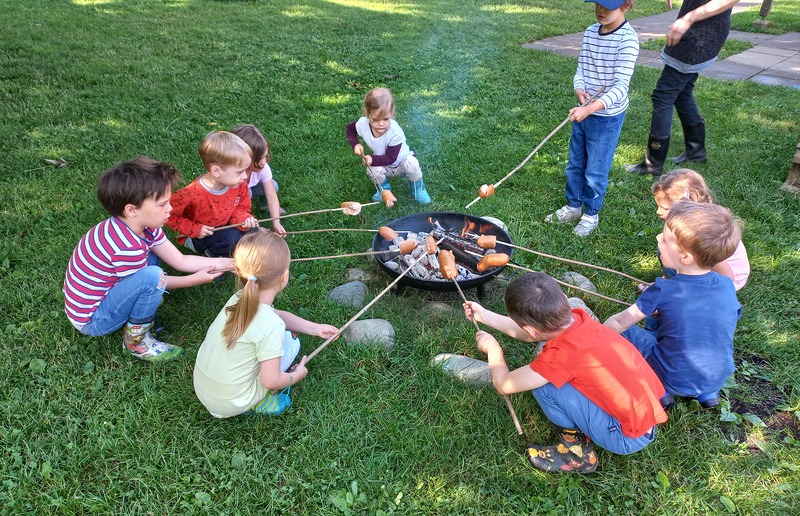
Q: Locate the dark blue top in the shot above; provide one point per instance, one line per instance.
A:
(697, 317)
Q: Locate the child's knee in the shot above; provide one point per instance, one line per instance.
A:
(154, 276)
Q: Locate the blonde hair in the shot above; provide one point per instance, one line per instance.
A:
(683, 184)
(224, 149)
(379, 101)
(709, 231)
(254, 139)
(259, 262)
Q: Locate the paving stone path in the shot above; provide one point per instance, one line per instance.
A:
(773, 60)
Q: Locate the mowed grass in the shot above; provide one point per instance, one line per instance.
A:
(85, 428)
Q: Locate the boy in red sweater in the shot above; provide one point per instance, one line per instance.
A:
(217, 198)
(590, 383)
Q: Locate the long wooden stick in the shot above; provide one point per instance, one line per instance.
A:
(342, 229)
(573, 286)
(567, 260)
(365, 253)
(361, 312)
(288, 215)
(546, 139)
(505, 396)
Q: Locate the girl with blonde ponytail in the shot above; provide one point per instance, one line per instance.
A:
(245, 358)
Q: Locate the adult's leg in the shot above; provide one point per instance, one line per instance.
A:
(694, 127)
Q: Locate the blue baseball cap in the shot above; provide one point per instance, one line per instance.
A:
(608, 4)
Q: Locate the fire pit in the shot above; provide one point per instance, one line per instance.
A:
(457, 228)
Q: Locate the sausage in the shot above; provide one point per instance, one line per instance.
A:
(487, 241)
(388, 198)
(430, 244)
(387, 233)
(447, 264)
(485, 191)
(351, 207)
(407, 246)
(492, 260)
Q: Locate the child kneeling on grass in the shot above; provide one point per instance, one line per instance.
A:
(591, 384)
(246, 355)
(113, 278)
(690, 343)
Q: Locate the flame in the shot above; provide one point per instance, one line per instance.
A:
(468, 227)
(486, 227)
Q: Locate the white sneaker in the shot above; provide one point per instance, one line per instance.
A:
(586, 225)
(564, 214)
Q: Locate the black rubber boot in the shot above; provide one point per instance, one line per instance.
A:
(573, 453)
(653, 162)
(694, 136)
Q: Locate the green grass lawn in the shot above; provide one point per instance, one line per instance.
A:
(85, 428)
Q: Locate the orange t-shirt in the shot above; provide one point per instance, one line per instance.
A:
(606, 368)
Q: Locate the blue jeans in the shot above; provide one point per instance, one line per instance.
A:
(568, 408)
(591, 151)
(676, 89)
(134, 298)
(221, 243)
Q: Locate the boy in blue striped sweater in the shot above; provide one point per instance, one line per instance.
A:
(606, 60)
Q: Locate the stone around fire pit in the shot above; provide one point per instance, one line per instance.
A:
(474, 373)
(576, 302)
(349, 294)
(358, 275)
(499, 222)
(580, 281)
(379, 332)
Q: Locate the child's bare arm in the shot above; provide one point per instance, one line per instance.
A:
(503, 323)
(625, 319)
(274, 379)
(274, 207)
(298, 324)
(203, 269)
(505, 381)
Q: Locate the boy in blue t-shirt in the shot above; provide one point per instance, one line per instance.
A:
(689, 344)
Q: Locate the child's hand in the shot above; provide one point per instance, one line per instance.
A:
(485, 341)
(326, 331)
(473, 311)
(358, 150)
(298, 371)
(578, 114)
(366, 160)
(582, 96)
(206, 231)
(250, 222)
(208, 275)
(277, 228)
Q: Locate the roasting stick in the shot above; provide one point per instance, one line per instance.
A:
(567, 260)
(342, 229)
(361, 312)
(490, 189)
(404, 249)
(343, 208)
(507, 262)
(477, 328)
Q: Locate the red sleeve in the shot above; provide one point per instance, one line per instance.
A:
(183, 208)
(553, 365)
(382, 160)
(352, 133)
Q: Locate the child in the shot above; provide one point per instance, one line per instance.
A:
(690, 344)
(685, 184)
(607, 57)
(217, 198)
(591, 383)
(391, 156)
(113, 278)
(259, 174)
(247, 351)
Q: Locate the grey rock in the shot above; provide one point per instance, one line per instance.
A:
(349, 294)
(437, 308)
(375, 332)
(472, 372)
(576, 302)
(358, 275)
(580, 281)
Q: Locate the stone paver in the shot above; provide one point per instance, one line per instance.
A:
(773, 60)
